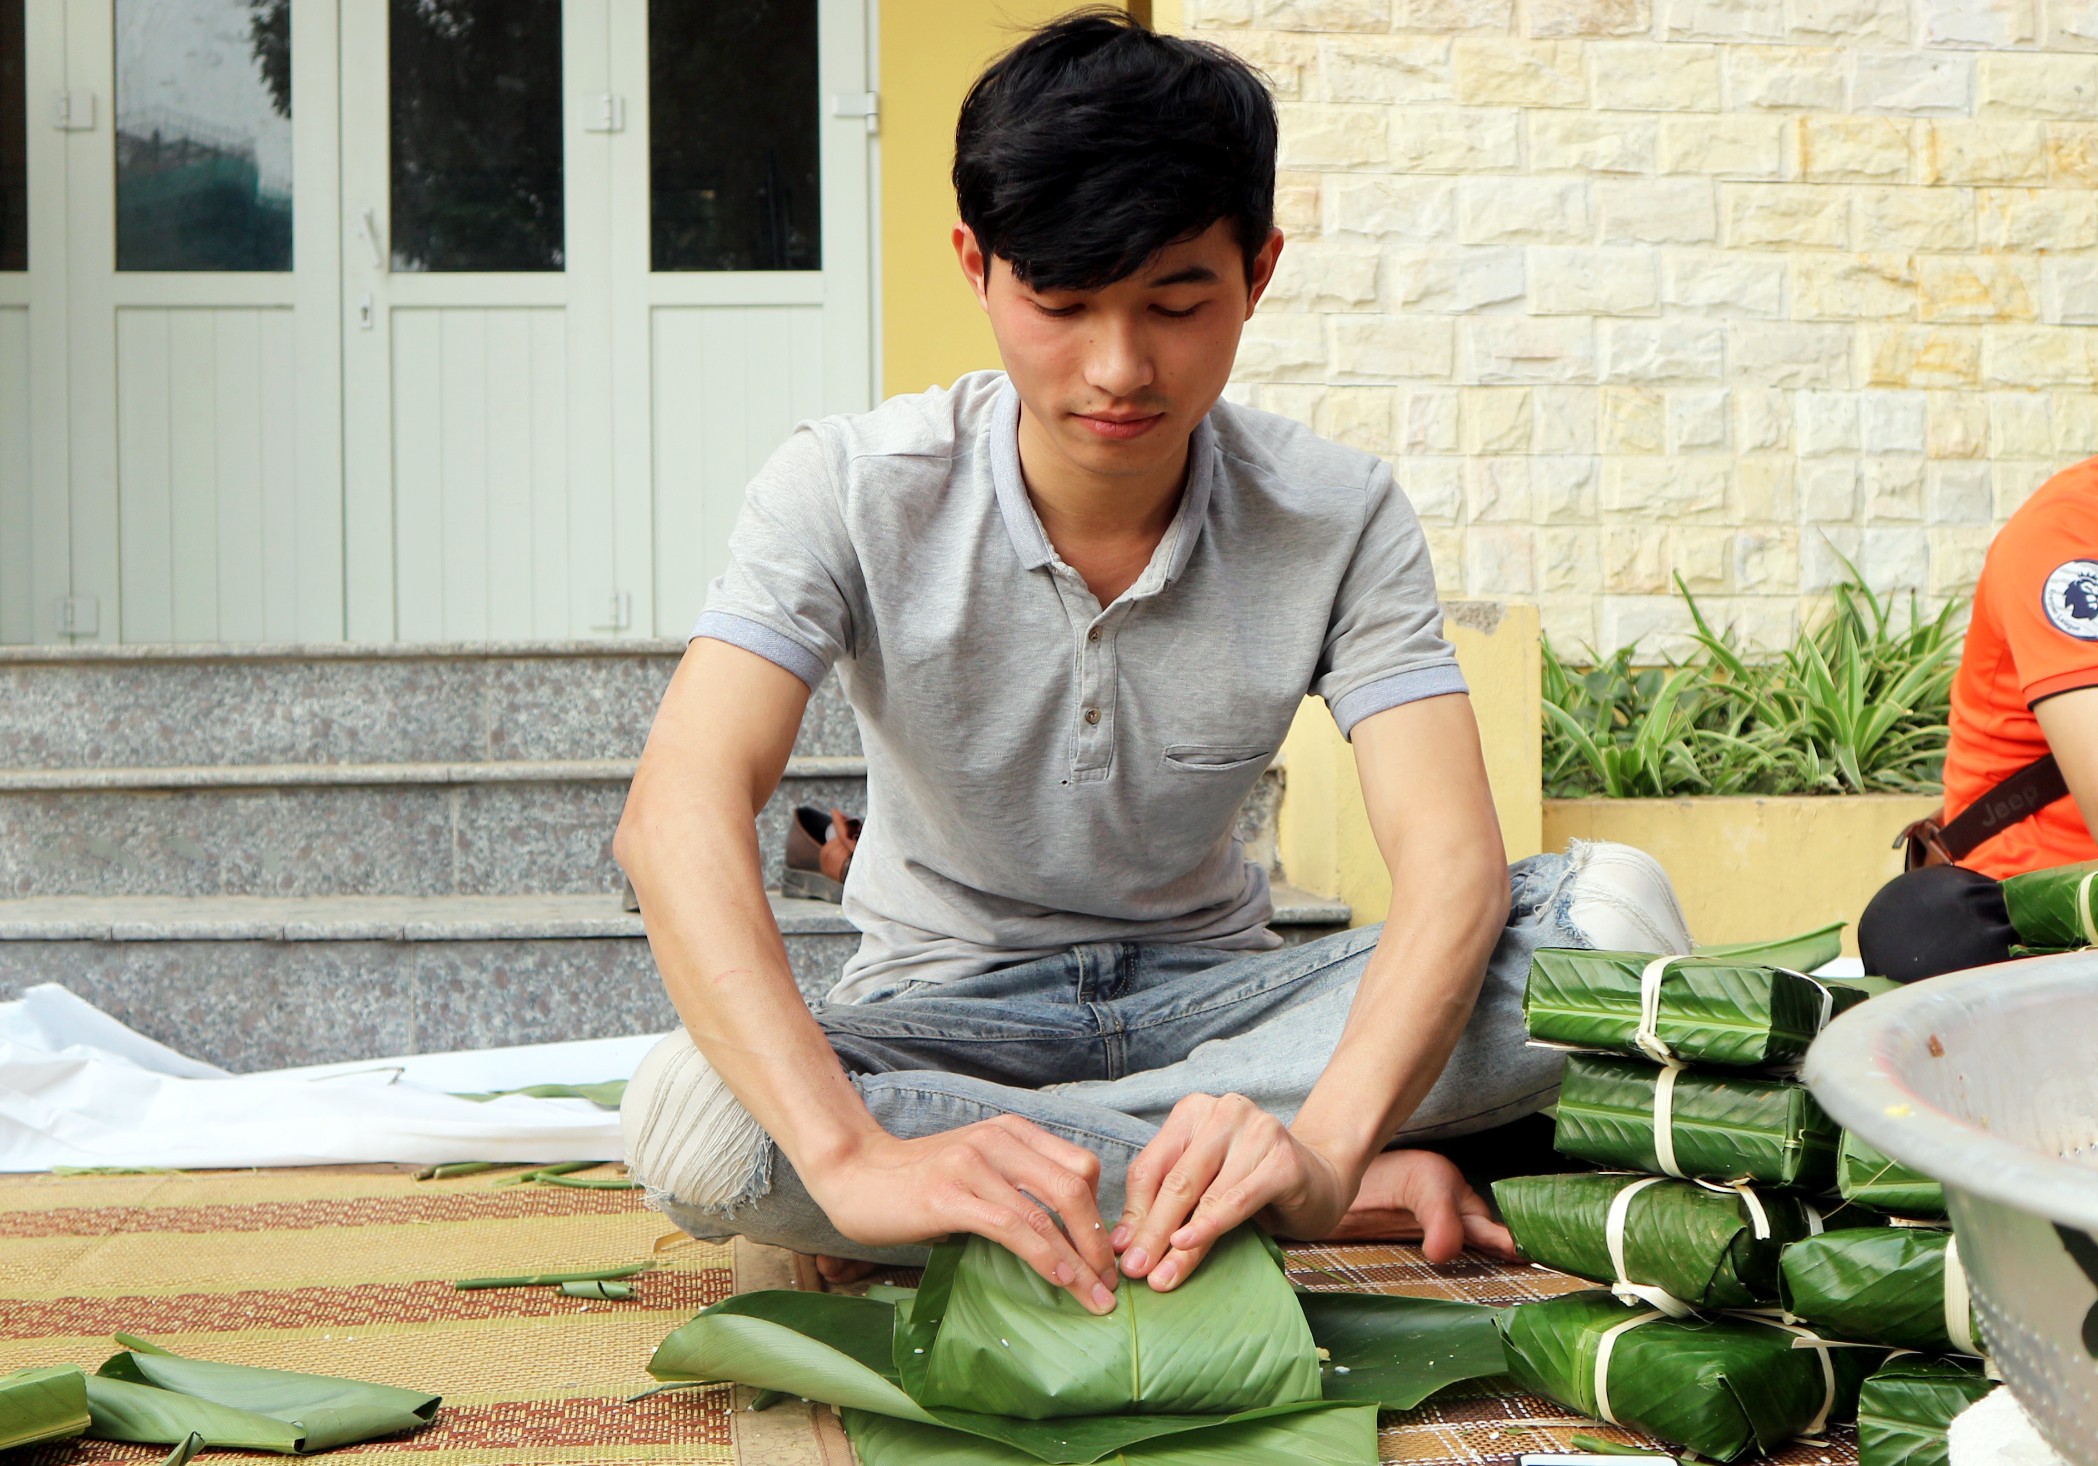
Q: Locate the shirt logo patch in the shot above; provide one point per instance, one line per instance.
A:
(2070, 599)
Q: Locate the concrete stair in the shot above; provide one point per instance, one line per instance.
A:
(284, 855)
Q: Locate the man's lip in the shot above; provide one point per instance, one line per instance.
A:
(1116, 417)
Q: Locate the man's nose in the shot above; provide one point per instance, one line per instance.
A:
(1118, 362)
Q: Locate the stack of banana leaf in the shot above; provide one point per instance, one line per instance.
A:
(148, 1395)
(1683, 1086)
(986, 1363)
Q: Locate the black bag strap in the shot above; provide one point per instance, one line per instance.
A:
(2018, 797)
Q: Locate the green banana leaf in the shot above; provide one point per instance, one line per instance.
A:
(42, 1405)
(1696, 1245)
(1802, 953)
(1336, 1436)
(149, 1395)
(1712, 1010)
(1725, 1387)
(1726, 1126)
(1879, 1285)
(1909, 1403)
(1870, 1177)
(606, 1094)
(843, 1351)
(987, 1332)
(2043, 905)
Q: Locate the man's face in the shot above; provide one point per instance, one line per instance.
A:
(1118, 377)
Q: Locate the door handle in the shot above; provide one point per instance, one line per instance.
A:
(370, 220)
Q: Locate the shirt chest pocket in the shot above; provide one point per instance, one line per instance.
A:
(1215, 758)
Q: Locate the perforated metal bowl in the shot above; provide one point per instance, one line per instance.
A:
(1988, 1081)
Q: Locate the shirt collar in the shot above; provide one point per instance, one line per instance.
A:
(1031, 541)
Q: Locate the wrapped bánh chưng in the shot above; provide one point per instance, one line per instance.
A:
(2055, 908)
(1868, 1176)
(1908, 1404)
(1725, 1387)
(1632, 1115)
(1674, 1245)
(1901, 1286)
(1695, 1010)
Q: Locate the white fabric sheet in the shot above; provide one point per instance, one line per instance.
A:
(78, 1088)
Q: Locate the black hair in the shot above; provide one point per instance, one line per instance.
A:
(1095, 143)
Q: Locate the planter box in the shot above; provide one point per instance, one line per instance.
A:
(1749, 868)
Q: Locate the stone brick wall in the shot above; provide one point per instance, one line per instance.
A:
(1718, 289)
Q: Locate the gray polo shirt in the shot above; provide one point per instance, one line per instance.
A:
(1041, 770)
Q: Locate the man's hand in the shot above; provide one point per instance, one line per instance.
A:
(1217, 1162)
(1418, 1193)
(993, 1178)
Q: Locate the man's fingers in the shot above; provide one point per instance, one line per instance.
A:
(1178, 1193)
(1000, 1212)
(1442, 1229)
(1248, 1182)
(1073, 1190)
(1140, 1186)
(1488, 1235)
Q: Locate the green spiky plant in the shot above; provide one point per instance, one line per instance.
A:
(1856, 704)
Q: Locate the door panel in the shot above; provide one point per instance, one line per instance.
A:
(731, 382)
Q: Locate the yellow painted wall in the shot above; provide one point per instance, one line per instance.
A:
(1752, 868)
(932, 328)
(1324, 833)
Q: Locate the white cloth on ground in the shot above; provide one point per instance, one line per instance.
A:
(79, 1088)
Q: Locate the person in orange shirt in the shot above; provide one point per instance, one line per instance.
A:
(2021, 770)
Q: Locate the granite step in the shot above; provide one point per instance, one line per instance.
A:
(449, 828)
(263, 982)
(160, 706)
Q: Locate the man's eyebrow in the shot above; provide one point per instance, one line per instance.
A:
(1191, 275)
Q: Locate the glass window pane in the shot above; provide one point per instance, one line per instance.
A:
(203, 134)
(14, 142)
(476, 134)
(732, 139)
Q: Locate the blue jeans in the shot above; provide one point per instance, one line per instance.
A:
(1100, 1042)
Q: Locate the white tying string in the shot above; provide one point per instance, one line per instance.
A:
(1647, 1037)
(1815, 1225)
(1808, 1339)
(1758, 1219)
(1664, 1119)
(1626, 1290)
(1958, 1317)
(2083, 909)
(1603, 1349)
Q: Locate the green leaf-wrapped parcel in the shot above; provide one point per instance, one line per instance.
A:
(1711, 1011)
(987, 1332)
(1906, 1407)
(1870, 1177)
(1724, 1387)
(844, 1351)
(1879, 1285)
(1696, 1245)
(42, 1405)
(149, 1395)
(2046, 906)
(1726, 1126)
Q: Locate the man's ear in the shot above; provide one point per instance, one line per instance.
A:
(1263, 269)
(975, 267)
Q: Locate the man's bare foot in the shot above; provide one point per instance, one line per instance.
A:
(1418, 1195)
(843, 1269)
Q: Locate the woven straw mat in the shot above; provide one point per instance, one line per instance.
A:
(347, 1270)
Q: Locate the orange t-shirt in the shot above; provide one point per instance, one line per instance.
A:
(2034, 633)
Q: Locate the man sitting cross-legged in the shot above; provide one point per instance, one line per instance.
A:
(1075, 606)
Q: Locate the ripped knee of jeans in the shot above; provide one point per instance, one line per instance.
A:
(689, 1141)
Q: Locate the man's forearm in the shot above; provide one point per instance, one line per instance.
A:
(690, 847)
(1411, 1007)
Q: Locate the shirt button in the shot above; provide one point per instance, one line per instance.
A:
(1093, 635)
(1092, 715)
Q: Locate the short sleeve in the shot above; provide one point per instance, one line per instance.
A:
(2042, 588)
(791, 589)
(1384, 644)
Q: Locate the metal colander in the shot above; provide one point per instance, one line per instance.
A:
(1988, 1081)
